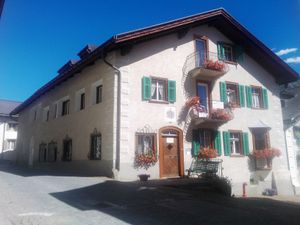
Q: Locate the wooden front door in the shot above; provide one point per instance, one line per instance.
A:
(171, 157)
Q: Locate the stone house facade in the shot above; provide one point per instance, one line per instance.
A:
(121, 109)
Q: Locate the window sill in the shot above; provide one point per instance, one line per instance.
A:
(159, 102)
(237, 155)
(258, 108)
(231, 62)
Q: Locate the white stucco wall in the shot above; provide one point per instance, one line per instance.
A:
(165, 58)
(78, 125)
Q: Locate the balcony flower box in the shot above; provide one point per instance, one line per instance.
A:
(221, 114)
(263, 158)
(214, 65)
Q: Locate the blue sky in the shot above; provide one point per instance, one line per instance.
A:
(38, 37)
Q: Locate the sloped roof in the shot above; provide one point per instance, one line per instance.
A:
(218, 18)
(6, 106)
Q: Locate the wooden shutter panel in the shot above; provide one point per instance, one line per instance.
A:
(245, 143)
(217, 142)
(242, 95)
(238, 53)
(226, 143)
(196, 143)
(221, 53)
(265, 98)
(146, 81)
(223, 94)
(172, 91)
(249, 96)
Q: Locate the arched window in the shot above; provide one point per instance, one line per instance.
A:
(67, 149)
(96, 145)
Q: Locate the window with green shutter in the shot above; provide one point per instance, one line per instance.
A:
(226, 143)
(217, 142)
(242, 95)
(223, 94)
(245, 143)
(146, 82)
(172, 91)
(249, 96)
(265, 98)
(238, 53)
(196, 143)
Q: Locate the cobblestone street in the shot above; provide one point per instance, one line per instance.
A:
(29, 197)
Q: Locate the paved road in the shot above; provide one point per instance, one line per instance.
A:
(35, 198)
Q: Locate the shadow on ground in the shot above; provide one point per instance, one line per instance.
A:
(25, 171)
(177, 202)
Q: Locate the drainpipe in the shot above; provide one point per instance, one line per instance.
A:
(116, 164)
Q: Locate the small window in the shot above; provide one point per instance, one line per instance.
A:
(55, 113)
(260, 138)
(10, 144)
(82, 101)
(145, 144)
(96, 146)
(228, 52)
(52, 152)
(67, 150)
(11, 127)
(65, 107)
(232, 92)
(235, 139)
(43, 152)
(158, 89)
(257, 97)
(46, 114)
(206, 139)
(98, 94)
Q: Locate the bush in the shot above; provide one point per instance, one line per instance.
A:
(222, 185)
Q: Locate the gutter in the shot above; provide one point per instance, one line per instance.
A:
(116, 157)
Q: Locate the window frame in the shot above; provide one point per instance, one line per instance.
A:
(154, 136)
(236, 85)
(67, 157)
(92, 149)
(165, 81)
(266, 138)
(99, 94)
(241, 141)
(253, 87)
(65, 107)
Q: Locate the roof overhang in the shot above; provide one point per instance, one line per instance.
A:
(218, 18)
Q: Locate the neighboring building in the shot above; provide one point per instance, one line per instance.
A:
(8, 130)
(125, 100)
(291, 119)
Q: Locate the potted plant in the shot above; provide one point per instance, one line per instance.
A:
(221, 114)
(214, 65)
(267, 154)
(145, 161)
(207, 153)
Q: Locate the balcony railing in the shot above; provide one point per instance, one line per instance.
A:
(205, 64)
(216, 112)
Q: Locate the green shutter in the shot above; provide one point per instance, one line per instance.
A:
(196, 143)
(238, 53)
(226, 143)
(245, 143)
(249, 96)
(221, 53)
(172, 91)
(217, 142)
(146, 88)
(242, 95)
(265, 98)
(223, 94)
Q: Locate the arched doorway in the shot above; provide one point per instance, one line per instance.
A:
(171, 152)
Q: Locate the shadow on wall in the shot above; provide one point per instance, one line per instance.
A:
(152, 203)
